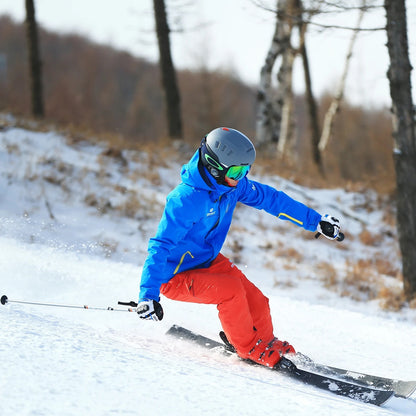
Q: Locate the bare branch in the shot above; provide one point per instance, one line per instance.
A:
(333, 108)
(319, 11)
(354, 29)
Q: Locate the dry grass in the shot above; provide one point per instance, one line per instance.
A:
(270, 265)
(289, 266)
(391, 298)
(327, 274)
(102, 205)
(289, 253)
(133, 206)
(236, 248)
(306, 174)
(389, 215)
(362, 282)
(109, 247)
(385, 267)
(115, 154)
(286, 284)
(370, 239)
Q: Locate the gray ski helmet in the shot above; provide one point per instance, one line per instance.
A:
(224, 148)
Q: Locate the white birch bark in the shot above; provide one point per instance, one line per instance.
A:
(333, 108)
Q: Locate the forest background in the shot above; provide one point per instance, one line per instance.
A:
(94, 89)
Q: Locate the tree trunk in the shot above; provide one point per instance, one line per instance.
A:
(405, 138)
(169, 82)
(35, 65)
(284, 102)
(310, 99)
(268, 119)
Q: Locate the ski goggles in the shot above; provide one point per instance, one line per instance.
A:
(237, 172)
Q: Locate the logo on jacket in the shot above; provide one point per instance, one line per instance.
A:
(211, 212)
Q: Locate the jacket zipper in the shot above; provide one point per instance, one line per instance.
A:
(218, 219)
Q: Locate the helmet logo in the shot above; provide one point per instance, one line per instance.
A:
(213, 162)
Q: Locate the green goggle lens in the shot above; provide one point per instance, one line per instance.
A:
(237, 172)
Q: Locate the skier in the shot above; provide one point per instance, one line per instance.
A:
(184, 262)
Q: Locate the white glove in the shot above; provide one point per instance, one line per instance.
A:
(329, 226)
(150, 309)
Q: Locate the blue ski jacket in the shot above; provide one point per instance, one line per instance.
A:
(197, 217)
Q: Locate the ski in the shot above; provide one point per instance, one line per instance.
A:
(360, 392)
(401, 388)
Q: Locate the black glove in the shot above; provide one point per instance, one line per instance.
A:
(150, 309)
(329, 226)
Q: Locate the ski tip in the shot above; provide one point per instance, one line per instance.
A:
(404, 389)
(4, 299)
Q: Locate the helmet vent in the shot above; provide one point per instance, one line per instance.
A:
(229, 147)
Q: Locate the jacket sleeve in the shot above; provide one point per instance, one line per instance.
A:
(177, 220)
(278, 203)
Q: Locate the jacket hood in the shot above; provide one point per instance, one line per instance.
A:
(196, 175)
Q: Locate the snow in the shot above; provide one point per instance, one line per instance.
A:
(68, 235)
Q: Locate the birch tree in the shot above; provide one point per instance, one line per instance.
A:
(269, 104)
(275, 105)
(335, 104)
(275, 108)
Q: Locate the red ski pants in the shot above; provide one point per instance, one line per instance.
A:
(242, 308)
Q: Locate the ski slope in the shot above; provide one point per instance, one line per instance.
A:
(79, 361)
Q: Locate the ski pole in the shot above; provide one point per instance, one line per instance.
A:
(4, 300)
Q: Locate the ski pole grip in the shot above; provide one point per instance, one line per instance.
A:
(131, 303)
(340, 237)
(4, 299)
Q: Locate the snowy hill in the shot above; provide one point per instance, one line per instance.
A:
(74, 223)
